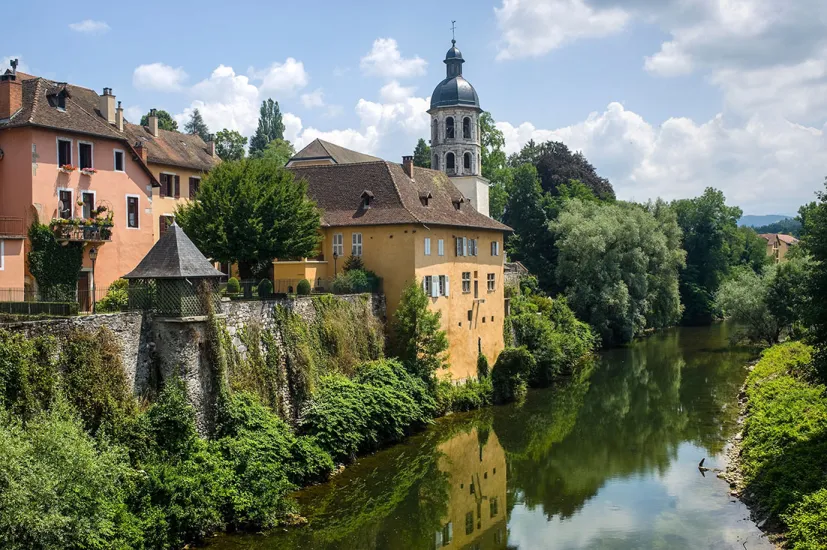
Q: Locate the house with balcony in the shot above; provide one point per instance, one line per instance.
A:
(67, 162)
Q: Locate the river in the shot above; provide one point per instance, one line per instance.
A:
(606, 462)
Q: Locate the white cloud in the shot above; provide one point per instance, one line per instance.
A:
(158, 76)
(133, 113)
(750, 162)
(313, 99)
(385, 60)
(535, 27)
(89, 26)
(282, 78)
(393, 92)
(225, 100)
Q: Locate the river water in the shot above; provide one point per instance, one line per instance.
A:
(609, 461)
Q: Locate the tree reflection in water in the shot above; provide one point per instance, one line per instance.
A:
(456, 485)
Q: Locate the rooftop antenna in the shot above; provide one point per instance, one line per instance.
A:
(453, 31)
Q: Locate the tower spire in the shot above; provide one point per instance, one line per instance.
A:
(454, 31)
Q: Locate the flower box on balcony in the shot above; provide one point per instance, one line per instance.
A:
(67, 168)
(88, 171)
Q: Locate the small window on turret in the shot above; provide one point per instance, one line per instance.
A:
(449, 162)
(449, 128)
(467, 161)
(466, 128)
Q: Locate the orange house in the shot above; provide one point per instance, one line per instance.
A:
(66, 160)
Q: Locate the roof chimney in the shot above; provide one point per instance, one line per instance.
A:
(140, 148)
(407, 165)
(153, 122)
(119, 117)
(11, 92)
(211, 145)
(107, 105)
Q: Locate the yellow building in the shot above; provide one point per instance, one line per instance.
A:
(410, 224)
(178, 161)
(477, 513)
(778, 245)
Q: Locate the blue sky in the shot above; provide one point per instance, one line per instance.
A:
(665, 97)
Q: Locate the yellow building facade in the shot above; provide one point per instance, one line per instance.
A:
(411, 224)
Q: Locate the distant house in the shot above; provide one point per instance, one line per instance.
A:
(410, 224)
(178, 161)
(68, 162)
(778, 245)
(319, 152)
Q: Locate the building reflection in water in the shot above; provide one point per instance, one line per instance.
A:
(477, 517)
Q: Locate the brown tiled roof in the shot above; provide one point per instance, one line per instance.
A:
(319, 149)
(789, 239)
(81, 114)
(172, 148)
(338, 190)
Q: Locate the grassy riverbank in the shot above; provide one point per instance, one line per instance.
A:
(784, 445)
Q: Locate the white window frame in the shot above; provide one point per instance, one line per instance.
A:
(427, 246)
(356, 244)
(94, 199)
(339, 248)
(71, 201)
(427, 285)
(495, 248)
(2, 254)
(441, 281)
(115, 160)
(491, 282)
(58, 139)
(138, 217)
(91, 154)
(440, 247)
(466, 279)
(460, 247)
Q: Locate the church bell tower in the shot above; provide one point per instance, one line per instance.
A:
(455, 136)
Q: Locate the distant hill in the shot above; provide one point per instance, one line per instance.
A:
(757, 221)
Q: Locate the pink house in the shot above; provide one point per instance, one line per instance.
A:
(66, 160)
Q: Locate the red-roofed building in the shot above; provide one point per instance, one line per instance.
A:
(778, 245)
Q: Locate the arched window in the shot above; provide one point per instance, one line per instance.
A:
(449, 162)
(467, 161)
(466, 128)
(436, 162)
(449, 127)
(434, 134)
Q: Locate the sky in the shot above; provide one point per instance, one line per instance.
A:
(664, 97)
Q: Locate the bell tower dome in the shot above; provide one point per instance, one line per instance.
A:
(455, 137)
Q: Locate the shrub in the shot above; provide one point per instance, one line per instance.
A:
(28, 376)
(233, 286)
(61, 488)
(265, 288)
(808, 521)
(510, 373)
(355, 281)
(354, 263)
(482, 366)
(303, 288)
(465, 396)
(348, 417)
(116, 299)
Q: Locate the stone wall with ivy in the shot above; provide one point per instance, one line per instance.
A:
(277, 349)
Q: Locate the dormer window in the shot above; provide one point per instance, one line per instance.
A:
(58, 100)
(458, 203)
(425, 198)
(367, 198)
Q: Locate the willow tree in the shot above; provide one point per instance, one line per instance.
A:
(250, 212)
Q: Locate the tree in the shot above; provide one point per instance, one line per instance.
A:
(494, 165)
(748, 248)
(708, 226)
(557, 165)
(278, 150)
(422, 154)
(814, 218)
(165, 121)
(618, 264)
(197, 126)
(789, 226)
(270, 127)
(230, 145)
(251, 211)
(417, 336)
(743, 298)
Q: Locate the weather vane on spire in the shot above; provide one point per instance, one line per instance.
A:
(453, 31)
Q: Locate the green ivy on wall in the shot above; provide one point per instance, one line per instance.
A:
(54, 266)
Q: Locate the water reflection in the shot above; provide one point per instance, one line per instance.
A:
(607, 461)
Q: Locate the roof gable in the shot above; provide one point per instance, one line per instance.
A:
(324, 150)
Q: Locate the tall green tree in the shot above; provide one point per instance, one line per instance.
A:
(165, 121)
(814, 218)
(618, 264)
(422, 154)
(270, 126)
(230, 145)
(494, 165)
(196, 125)
(708, 226)
(417, 337)
(251, 211)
